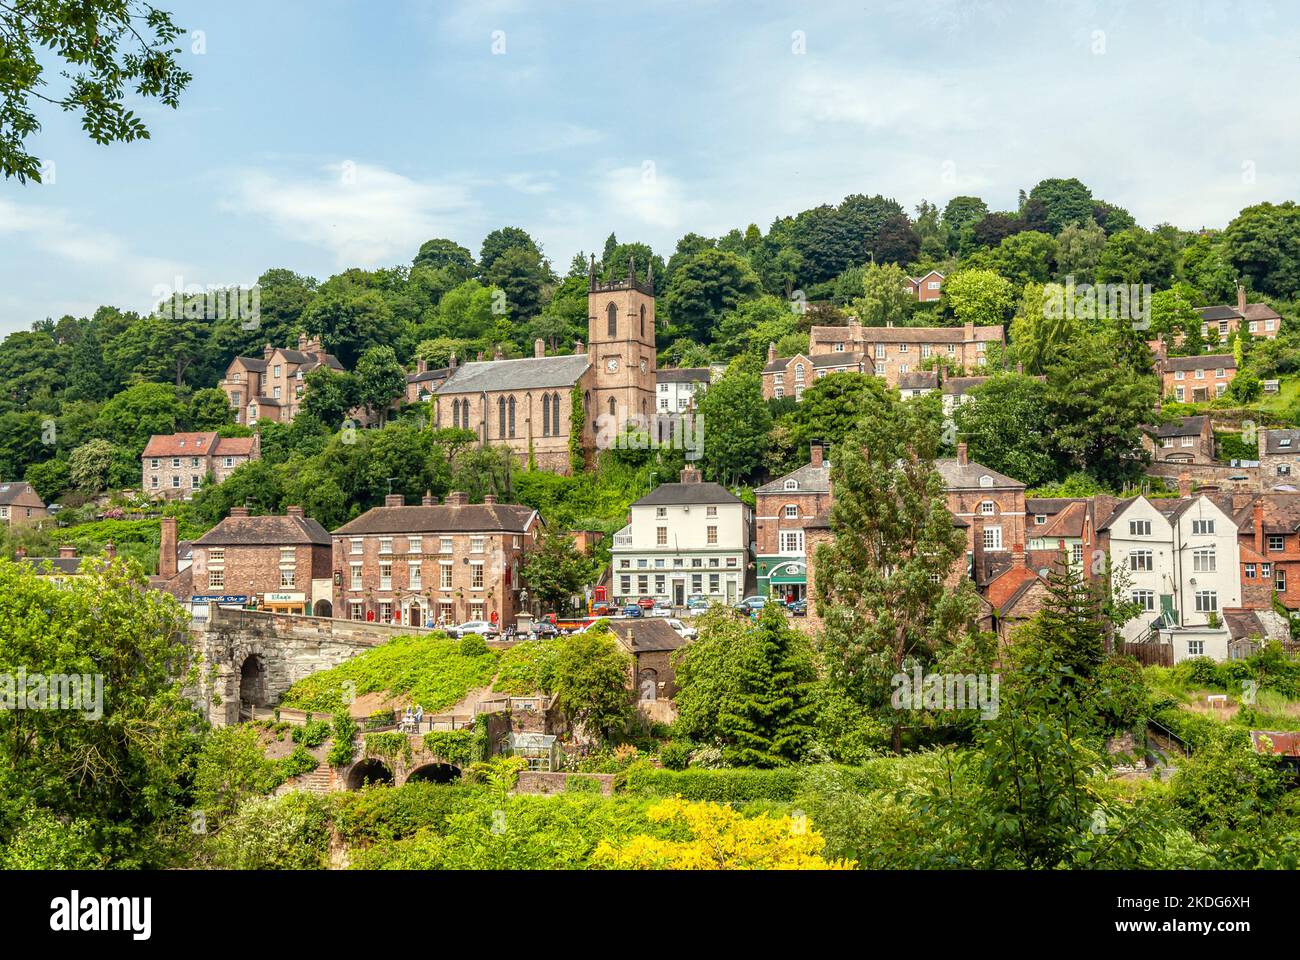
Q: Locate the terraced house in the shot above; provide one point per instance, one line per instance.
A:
(1196, 379)
(436, 562)
(783, 509)
(174, 465)
(790, 376)
(895, 351)
(1268, 527)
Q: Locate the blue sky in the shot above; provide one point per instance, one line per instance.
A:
(326, 134)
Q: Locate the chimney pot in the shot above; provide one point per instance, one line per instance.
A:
(817, 454)
(1241, 298)
(421, 365)
(67, 551)
(489, 499)
(771, 351)
(497, 354)
(1184, 484)
(690, 475)
(427, 500)
(457, 498)
(578, 348)
(394, 500)
(961, 454)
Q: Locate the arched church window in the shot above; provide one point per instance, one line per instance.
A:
(555, 414)
(512, 416)
(611, 313)
(643, 320)
(501, 416)
(546, 414)
(613, 407)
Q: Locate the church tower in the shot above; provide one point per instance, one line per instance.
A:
(621, 345)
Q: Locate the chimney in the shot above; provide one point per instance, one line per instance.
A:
(889, 324)
(690, 475)
(539, 347)
(771, 352)
(302, 342)
(110, 551)
(1241, 298)
(1259, 525)
(394, 500)
(1018, 555)
(427, 499)
(451, 361)
(961, 454)
(67, 551)
(239, 511)
(578, 348)
(1184, 484)
(1263, 447)
(497, 354)
(816, 454)
(489, 499)
(294, 511)
(969, 329)
(478, 357)
(977, 549)
(457, 498)
(167, 548)
(421, 365)
(267, 350)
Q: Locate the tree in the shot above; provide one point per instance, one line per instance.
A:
(897, 241)
(556, 571)
(1005, 425)
(981, 297)
(1064, 202)
(1042, 328)
(329, 395)
(51, 479)
(1024, 257)
(833, 406)
(736, 422)
(879, 584)
(993, 228)
(380, 380)
(103, 47)
(348, 320)
(439, 252)
(1097, 407)
(590, 682)
(1208, 269)
(748, 688)
(521, 274)
(90, 464)
(1135, 256)
(1263, 244)
(139, 412)
(209, 409)
(884, 297)
(1079, 248)
(117, 761)
(706, 286)
(89, 378)
(499, 241)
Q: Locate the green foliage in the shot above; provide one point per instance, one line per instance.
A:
(736, 424)
(429, 670)
(290, 832)
(556, 571)
(458, 747)
(592, 676)
(389, 746)
(311, 734)
(527, 668)
(473, 645)
(345, 732)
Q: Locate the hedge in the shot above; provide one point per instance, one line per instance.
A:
(738, 785)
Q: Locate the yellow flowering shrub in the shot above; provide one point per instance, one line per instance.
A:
(720, 839)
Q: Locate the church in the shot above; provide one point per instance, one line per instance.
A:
(529, 404)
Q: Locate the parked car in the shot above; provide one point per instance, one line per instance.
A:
(755, 602)
(632, 610)
(799, 608)
(697, 603)
(646, 603)
(659, 610)
(690, 633)
(481, 627)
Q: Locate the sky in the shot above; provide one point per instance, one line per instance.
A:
(328, 134)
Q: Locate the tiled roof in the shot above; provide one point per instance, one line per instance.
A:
(956, 386)
(683, 375)
(10, 492)
(529, 373)
(1067, 522)
(647, 634)
(180, 444)
(1261, 311)
(810, 479)
(966, 476)
(440, 518)
(909, 334)
(1282, 441)
(677, 494)
(819, 361)
(264, 531)
(235, 446)
(252, 363)
(1182, 427)
(918, 380)
(1209, 362)
(440, 374)
(1220, 312)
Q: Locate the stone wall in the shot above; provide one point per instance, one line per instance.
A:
(537, 781)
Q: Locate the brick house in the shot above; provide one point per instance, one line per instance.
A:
(269, 560)
(917, 383)
(20, 503)
(271, 387)
(894, 351)
(425, 381)
(1261, 320)
(174, 465)
(815, 532)
(782, 509)
(652, 644)
(927, 287)
(448, 562)
(1279, 459)
(991, 504)
(790, 376)
(1060, 525)
(1186, 440)
(1012, 597)
(1268, 535)
(1196, 379)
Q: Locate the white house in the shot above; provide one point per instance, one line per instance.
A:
(677, 387)
(1182, 563)
(683, 540)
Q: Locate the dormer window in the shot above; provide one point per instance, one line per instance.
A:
(792, 484)
(986, 481)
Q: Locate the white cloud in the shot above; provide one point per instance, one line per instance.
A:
(363, 214)
(646, 194)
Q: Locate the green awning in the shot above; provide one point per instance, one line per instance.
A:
(789, 573)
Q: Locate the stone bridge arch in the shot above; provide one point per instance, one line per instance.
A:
(419, 765)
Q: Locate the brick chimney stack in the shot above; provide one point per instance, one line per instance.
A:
(1184, 484)
(1258, 515)
(294, 511)
(302, 342)
(1018, 555)
(427, 500)
(1241, 298)
(977, 549)
(267, 350)
(578, 348)
(497, 354)
(539, 347)
(394, 500)
(67, 551)
(969, 330)
(489, 499)
(451, 361)
(771, 351)
(167, 549)
(239, 511)
(421, 365)
(457, 498)
(961, 454)
(690, 475)
(817, 453)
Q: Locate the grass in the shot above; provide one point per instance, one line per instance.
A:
(428, 670)
(525, 668)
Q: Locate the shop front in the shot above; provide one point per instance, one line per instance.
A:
(786, 579)
(284, 603)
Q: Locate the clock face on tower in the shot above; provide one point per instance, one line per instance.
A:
(612, 364)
